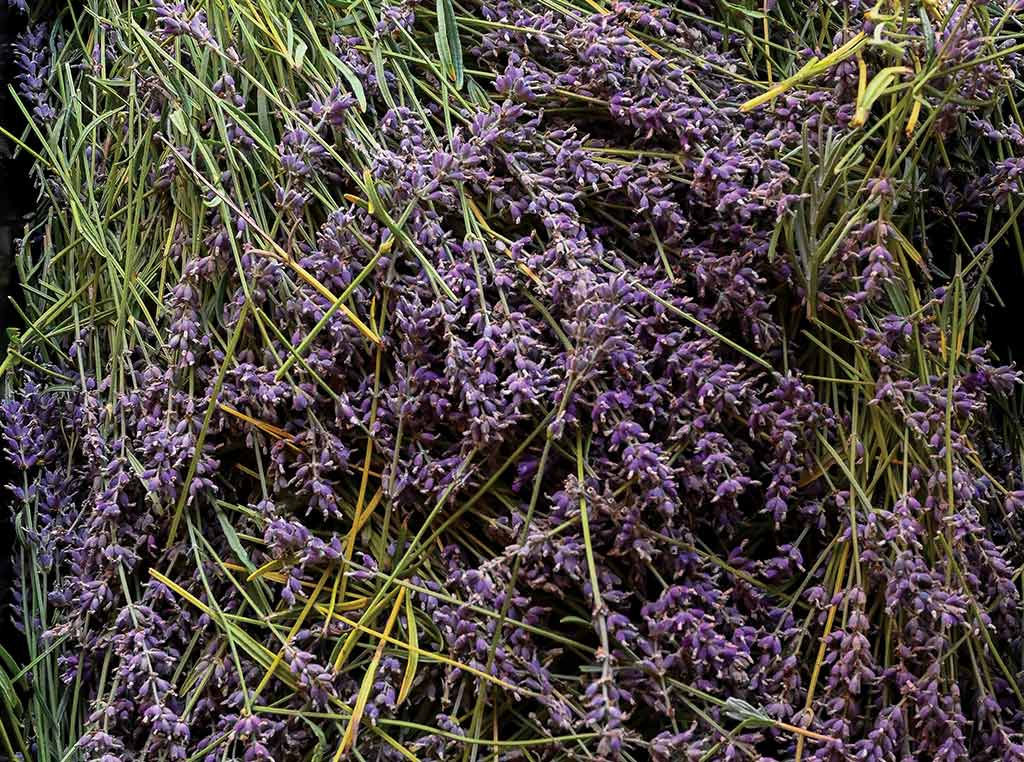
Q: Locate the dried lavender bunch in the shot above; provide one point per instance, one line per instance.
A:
(520, 381)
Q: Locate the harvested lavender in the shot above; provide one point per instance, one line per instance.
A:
(518, 381)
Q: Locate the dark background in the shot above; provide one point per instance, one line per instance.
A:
(16, 196)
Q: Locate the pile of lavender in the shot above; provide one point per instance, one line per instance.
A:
(515, 381)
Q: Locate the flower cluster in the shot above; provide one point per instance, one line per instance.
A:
(31, 59)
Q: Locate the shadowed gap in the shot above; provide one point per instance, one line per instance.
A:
(16, 196)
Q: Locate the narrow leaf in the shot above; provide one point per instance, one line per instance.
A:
(414, 654)
(448, 45)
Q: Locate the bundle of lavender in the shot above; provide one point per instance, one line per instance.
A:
(548, 380)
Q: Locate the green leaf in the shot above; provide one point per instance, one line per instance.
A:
(414, 654)
(740, 710)
(574, 620)
(263, 114)
(8, 695)
(178, 121)
(289, 35)
(477, 95)
(233, 542)
(875, 89)
(377, 57)
(928, 30)
(5, 656)
(448, 45)
(748, 12)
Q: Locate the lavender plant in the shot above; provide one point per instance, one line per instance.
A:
(518, 381)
